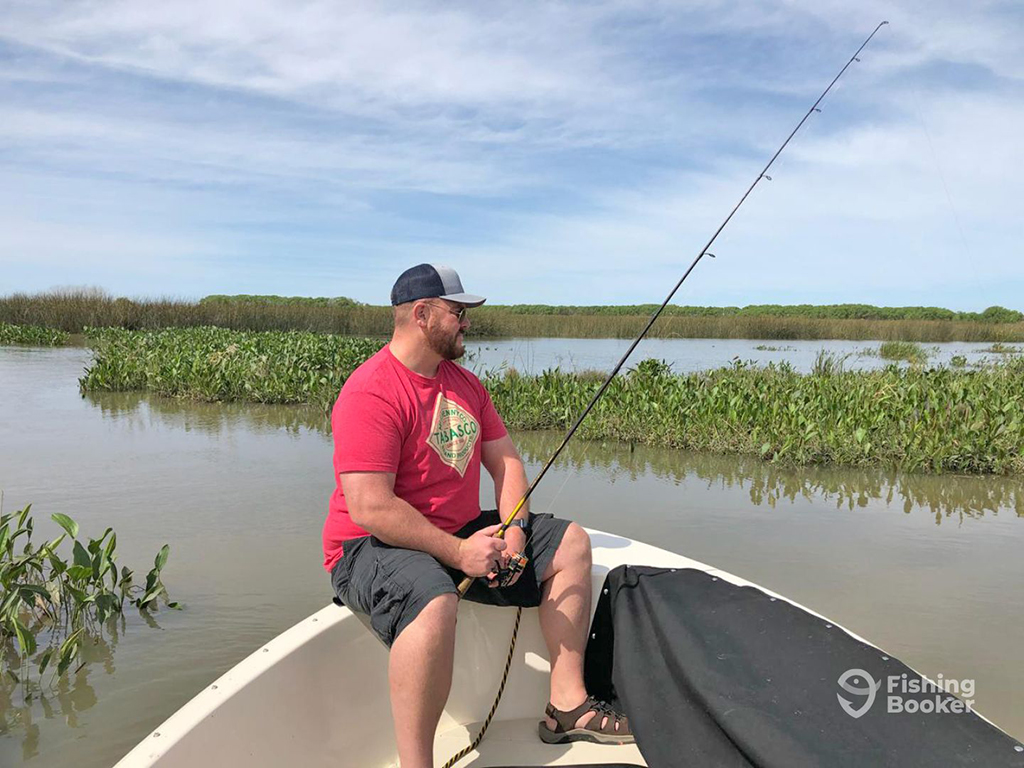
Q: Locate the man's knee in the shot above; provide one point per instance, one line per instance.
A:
(440, 613)
(575, 546)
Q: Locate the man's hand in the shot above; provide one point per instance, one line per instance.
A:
(515, 538)
(481, 553)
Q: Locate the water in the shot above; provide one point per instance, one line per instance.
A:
(688, 355)
(929, 568)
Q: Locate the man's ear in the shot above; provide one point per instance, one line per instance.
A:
(420, 312)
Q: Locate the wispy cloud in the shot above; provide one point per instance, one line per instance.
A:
(563, 152)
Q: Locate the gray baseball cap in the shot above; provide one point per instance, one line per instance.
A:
(432, 281)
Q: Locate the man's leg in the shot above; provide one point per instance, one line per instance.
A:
(564, 618)
(420, 676)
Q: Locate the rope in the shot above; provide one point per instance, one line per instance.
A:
(497, 699)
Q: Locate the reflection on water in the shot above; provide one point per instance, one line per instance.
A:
(956, 497)
(945, 496)
(22, 701)
(136, 409)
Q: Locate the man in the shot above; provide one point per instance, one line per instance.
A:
(411, 429)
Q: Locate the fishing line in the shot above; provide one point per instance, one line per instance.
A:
(942, 177)
(467, 582)
(500, 533)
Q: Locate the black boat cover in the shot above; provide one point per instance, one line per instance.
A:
(715, 674)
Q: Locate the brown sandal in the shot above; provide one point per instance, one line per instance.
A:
(606, 726)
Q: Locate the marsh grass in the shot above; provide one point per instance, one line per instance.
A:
(1002, 349)
(31, 335)
(75, 310)
(496, 322)
(246, 298)
(828, 363)
(903, 350)
(994, 314)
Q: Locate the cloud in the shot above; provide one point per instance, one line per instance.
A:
(303, 142)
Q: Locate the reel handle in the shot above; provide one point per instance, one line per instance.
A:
(516, 564)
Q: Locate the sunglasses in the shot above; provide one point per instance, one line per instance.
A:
(459, 313)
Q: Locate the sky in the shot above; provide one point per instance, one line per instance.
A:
(551, 152)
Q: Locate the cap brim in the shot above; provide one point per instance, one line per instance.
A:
(466, 299)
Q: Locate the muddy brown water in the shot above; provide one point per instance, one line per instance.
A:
(929, 568)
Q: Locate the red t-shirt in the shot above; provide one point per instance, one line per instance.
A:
(427, 431)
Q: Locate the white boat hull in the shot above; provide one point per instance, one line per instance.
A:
(316, 695)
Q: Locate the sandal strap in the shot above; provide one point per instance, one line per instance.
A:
(603, 713)
(614, 723)
(566, 719)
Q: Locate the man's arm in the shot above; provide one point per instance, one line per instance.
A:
(502, 461)
(373, 506)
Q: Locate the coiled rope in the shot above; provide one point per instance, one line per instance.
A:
(497, 699)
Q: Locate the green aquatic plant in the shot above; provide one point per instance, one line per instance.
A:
(933, 420)
(50, 605)
(903, 350)
(216, 364)
(936, 420)
(31, 335)
(1002, 349)
(651, 369)
(828, 363)
(958, 361)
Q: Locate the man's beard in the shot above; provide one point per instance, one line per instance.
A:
(447, 346)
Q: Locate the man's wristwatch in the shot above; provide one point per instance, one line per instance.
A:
(521, 522)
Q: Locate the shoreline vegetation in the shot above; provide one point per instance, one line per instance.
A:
(72, 311)
(914, 418)
(32, 336)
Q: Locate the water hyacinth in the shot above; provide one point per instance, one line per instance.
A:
(31, 335)
(935, 420)
(925, 419)
(218, 364)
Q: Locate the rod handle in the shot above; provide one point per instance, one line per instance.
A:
(467, 582)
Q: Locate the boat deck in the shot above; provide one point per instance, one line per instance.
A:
(515, 743)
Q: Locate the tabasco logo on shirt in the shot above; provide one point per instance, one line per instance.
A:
(453, 433)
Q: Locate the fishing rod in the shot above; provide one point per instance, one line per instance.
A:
(518, 560)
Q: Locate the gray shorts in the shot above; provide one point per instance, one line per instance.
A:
(391, 585)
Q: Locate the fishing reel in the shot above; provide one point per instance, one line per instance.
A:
(516, 563)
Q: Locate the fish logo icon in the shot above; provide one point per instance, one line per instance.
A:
(848, 682)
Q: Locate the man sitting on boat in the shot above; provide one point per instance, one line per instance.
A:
(411, 429)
